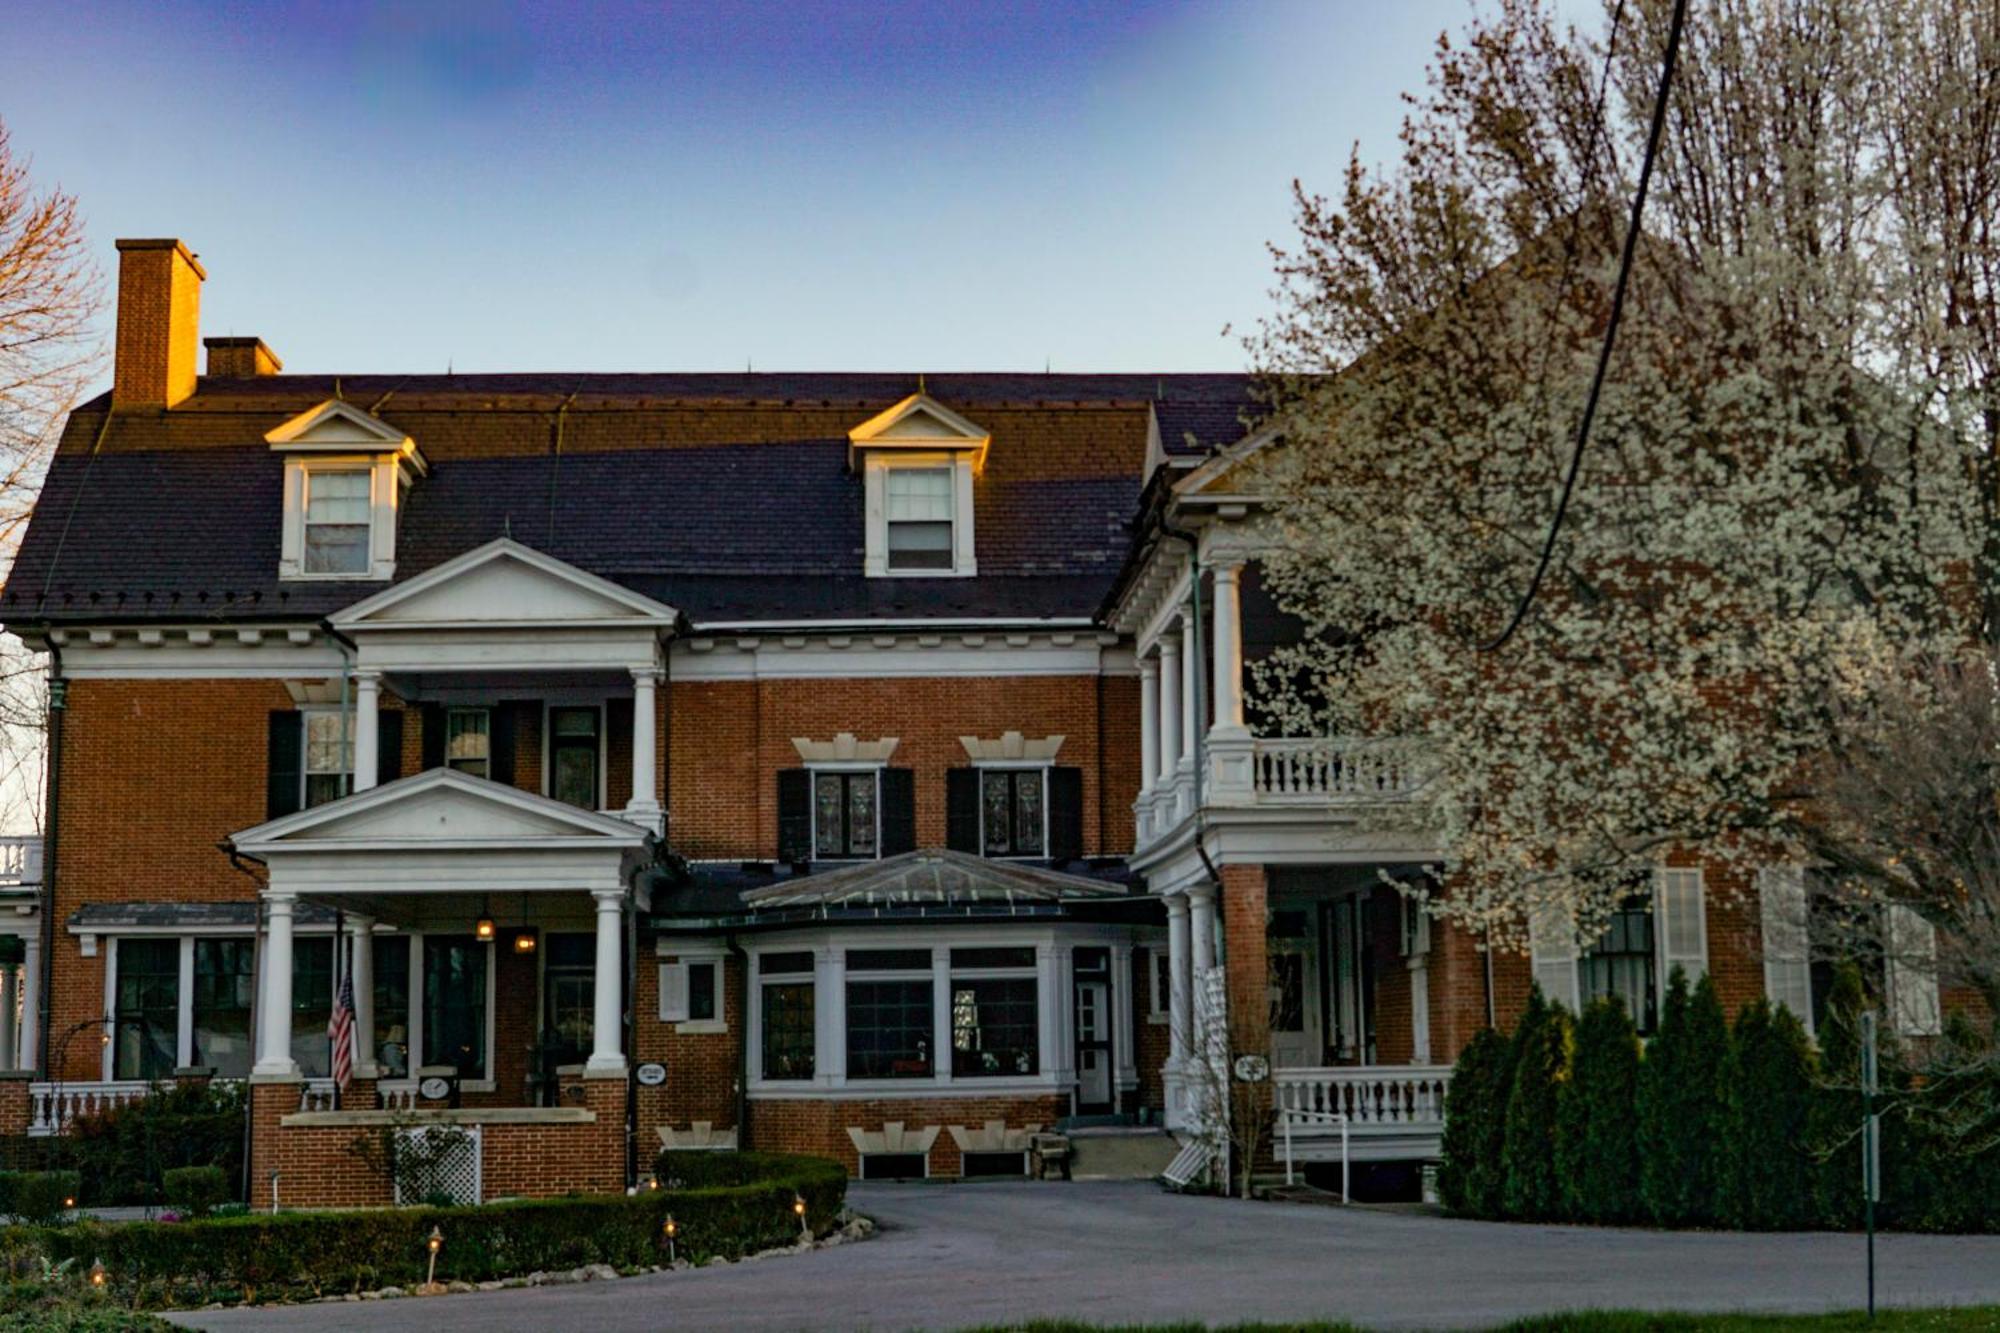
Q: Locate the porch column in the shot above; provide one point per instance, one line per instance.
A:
(645, 734)
(1227, 683)
(1190, 699)
(1180, 997)
(28, 1043)
(361, 949)
(1149, 724)
(607, 1053)
(1201, 925)
(274, 996)
(367, 694)
(9, 1057)
(1170, 708)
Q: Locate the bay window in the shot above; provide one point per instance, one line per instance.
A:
(785, 984)
(392, 1005)
(995, 1013)
(891, 1021)
(312, 1004)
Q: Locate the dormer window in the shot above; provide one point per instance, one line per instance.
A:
(917, 463)
(338, 521)
(345, 476)
(917, 507)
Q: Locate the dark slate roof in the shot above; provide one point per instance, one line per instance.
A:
(726, 496)
(1190, 428)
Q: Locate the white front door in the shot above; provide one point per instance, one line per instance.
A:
(1293, 961)
(1093, 1046)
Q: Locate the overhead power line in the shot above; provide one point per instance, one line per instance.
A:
(1610, 330)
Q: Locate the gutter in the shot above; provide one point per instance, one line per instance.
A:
(58, 705)
(742, 1028)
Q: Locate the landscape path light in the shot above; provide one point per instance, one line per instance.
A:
(434, 1244)
(672, 1230)
(799, 1210)
(97, 1276)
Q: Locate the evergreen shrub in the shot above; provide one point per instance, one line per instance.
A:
(1541, 1065)
(1765, 1174)
(1475, 1126)
(1597, 1140)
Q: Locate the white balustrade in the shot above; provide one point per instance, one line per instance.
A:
(52, 1106)
(316, 1094)
(1371, 1097)
(1311, 771)
(20, 860)
(397, 1094)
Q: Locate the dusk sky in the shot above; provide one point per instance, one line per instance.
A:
(798, 186)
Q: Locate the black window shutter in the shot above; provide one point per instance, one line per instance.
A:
(389, 740)
(1065, 814)
(618, 724)
(503, 735)
(794, 815)
(287, 761)
(899, 811)
(432, 716)
(961, 810)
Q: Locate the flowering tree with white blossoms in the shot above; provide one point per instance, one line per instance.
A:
(1789, 489)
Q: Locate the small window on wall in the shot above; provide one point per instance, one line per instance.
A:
(1621, 963)
(845, 823)
(1013, 815)
(337, 521)
(329, 755)
(691, 992)
(917, 504)
(573, 751)
(469, 741)
(785, 981)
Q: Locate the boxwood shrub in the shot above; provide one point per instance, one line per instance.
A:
(38, 1196)
(296, 1255)
(197, 1189)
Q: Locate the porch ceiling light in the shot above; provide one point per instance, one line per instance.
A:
(483, 928)
(524, 942)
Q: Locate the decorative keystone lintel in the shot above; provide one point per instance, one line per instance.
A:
(844, 749)
(1012, 746)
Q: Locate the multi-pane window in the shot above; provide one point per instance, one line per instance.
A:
(569, 981)
(891, 1024)
(146, 1016)
(1621, 963)
(844, 815)
(573, 750)
(917, 505)
(336, 522)
(995, 1022)
(786, 980)
(455, 1003)
(468, 741)
(701, 992)
(312, 1004)
(392, 1005)
(1012, 813)
(329, 755)
(224, 984)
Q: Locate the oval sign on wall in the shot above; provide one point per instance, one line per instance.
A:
(651, 1074)
(434, 1089)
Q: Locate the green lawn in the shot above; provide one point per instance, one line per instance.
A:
(1966, 1319)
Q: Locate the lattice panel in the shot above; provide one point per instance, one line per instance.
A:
(438, 1160)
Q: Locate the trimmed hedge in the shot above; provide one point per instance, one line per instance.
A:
(198, 1189)
(39, 1197)
(299, 1255)
(124, 1153)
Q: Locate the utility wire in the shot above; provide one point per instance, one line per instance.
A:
(1610, 330)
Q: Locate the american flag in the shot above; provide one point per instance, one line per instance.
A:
(340, 1029)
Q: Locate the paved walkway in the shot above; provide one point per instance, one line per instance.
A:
(958, 1255)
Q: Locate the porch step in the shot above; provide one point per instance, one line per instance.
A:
(1125, 1153)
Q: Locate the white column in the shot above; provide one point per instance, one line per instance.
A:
(1189, 721)
(607, 1054)
(941, 1015)
(1124, 1062)
(645, 736)
(1180, 993)
(9, 1055)
(361, 946)
(367, 694)
(274, 1017)
(1170, 708)
(1201, 925)
(1227, 678)
(1149, 724)
(29, 1036)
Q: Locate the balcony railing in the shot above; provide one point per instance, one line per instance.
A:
(1377, 1099)
(1313, 771)
(52, 1106)
(20, 860)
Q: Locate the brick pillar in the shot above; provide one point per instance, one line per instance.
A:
(605, 1172)
(270, 1101)
(14, 1103)
(1246, 960)
(360, 1095)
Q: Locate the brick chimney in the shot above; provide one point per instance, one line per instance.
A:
(159, 305)
(240, 358)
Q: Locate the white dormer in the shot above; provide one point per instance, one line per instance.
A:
(917, 461)
(345, 476)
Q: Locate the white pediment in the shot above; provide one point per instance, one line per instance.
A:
(920, 422)
(504, 583)
(440, 806)
(338, 427)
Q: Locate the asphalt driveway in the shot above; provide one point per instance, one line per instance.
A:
(949, 1256)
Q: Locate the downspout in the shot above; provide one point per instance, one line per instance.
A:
(58, 705)
(742, 1026)
(631, 1035)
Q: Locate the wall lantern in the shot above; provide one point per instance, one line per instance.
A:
(483, 928)
(524, 942)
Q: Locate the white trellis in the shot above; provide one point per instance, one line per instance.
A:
(448, 1157)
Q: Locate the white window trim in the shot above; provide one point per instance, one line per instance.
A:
(673, 956)
(413, 1021)
(985, 766)
(873, 768)
(483, 709)
(1056, 1037)
(1781, 894)
(1554, 950)
(875, 468)
(549, 706)
(385, 487)
(1159, 993)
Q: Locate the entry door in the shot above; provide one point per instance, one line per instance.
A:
(1296, 1040)
(1093, 1045)
(569, 991)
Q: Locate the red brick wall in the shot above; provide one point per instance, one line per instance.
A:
(701, 1066)
(1245, 921)
(1152, 1042)
(819, 1126)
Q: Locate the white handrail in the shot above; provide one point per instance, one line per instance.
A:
(52, 1105)
(1286, 1115)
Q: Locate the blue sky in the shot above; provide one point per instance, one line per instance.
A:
(798, 186)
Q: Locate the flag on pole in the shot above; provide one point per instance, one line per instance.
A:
(340, 1028)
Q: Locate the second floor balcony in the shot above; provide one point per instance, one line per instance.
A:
(1299, 774)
